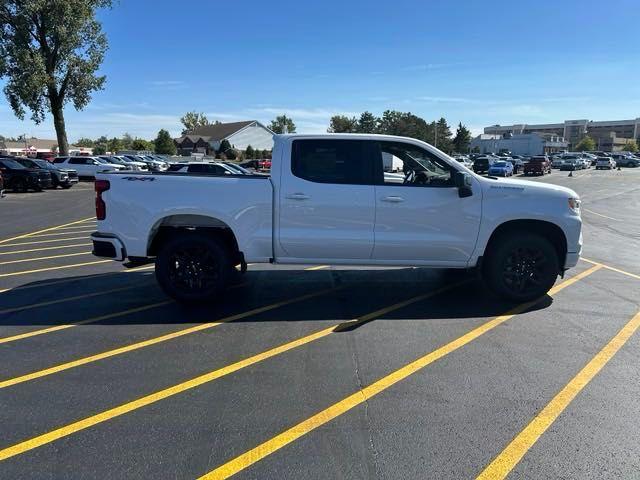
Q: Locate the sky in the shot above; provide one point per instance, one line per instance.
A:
(476, 62)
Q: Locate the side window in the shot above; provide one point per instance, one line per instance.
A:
(410, 165)
(331, 161)
(196, 168)
(77, 161)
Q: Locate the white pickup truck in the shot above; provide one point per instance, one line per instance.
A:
(329, 200)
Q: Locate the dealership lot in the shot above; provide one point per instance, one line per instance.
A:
(320, 372)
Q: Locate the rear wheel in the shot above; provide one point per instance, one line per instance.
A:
(521, 267)
(193, 268)
(19, 185)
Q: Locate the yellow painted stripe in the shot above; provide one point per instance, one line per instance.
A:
(26, 272)
(42, 249)
(68, 299)
(46, 230)
(155, 340)
(67, 430)
(57, 328)
(318, 267)
(79, 227)
(520, 445)
(613, 269)
(70, 280)
(50, 257)
(59, 234)
(66, 239)
(321, 418)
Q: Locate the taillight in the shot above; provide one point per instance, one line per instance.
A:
(101, 207)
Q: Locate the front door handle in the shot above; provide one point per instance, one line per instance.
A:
(297, 196)
(392, 199)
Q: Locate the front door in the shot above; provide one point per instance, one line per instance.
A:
(326, 201)
(419, 215)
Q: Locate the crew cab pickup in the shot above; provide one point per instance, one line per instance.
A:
(329, 200)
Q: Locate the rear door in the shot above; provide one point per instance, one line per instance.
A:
(420, 218)
(326, 201)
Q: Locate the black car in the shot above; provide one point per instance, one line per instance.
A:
(481, 164)
(60, 177)
(19, 178)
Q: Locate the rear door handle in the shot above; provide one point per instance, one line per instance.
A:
(297, 196)
(392, 199)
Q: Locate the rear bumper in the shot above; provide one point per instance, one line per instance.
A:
(105, 246)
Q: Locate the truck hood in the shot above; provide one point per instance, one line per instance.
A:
(510, 186)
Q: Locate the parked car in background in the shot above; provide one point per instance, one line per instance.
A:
(605, 163)
(86, 166)
(237, 168)
(129, 164)
(482, 164)
(557, 162)
(48, 156)
(1, 185)
(152, 163)
(623, 160)
(571, 161)
(60, 177)
(19, 178)
(538, 165)
(501, 168)
(264, 164)
(212, 168)
(517, 163)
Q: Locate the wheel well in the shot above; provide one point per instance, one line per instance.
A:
(548, 230)
(181, 224)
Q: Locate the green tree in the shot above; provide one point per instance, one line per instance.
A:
(126, 141)
(50, 52)
(443, 136)
(462, 139)
(85, 142)
(164, 144)
(631, 146)
(586, 144)
(114, 145)
(224, 146)
(266, 153)
(193, 120)
(342, 124)
(140, 144)
(367, 123)
(406, 124)
(281, 124)
(100, 149)
(249, 152)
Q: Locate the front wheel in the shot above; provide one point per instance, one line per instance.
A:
(521, 267)
(193, 268)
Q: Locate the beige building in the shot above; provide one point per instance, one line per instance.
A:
(609, 135)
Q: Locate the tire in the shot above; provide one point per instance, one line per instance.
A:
(193, 268)
(521, 267)
(66, 187)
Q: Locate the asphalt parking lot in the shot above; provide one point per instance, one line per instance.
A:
(316, 372)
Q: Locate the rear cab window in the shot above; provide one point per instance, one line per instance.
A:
(332, 161)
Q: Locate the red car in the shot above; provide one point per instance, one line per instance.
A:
(538, 165)
(264, 164)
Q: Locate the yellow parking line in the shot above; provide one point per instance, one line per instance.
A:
(68, 280)
(59, 234)
(67, 430)
(290, 435)
(76, 227)
(46, 248)
(601, 215)
(613, 269)
(53, 268)
(46, 230)
(57, 328)
(68, 299)
(318, 267)
(23, 260)
(156, 340)
(502, 465)
(42, 241)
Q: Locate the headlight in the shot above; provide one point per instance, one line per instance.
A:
(574, 205)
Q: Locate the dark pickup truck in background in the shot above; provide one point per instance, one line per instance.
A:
(538, 165)
(19, 178)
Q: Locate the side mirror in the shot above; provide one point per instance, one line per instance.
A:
(463, 182)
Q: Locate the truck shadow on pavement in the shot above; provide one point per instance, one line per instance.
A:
(329, 295)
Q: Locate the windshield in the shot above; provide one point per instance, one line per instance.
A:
(12, 164)
(500, 164)
(44, 164)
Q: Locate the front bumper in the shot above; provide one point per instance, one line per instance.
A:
(105, 246)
